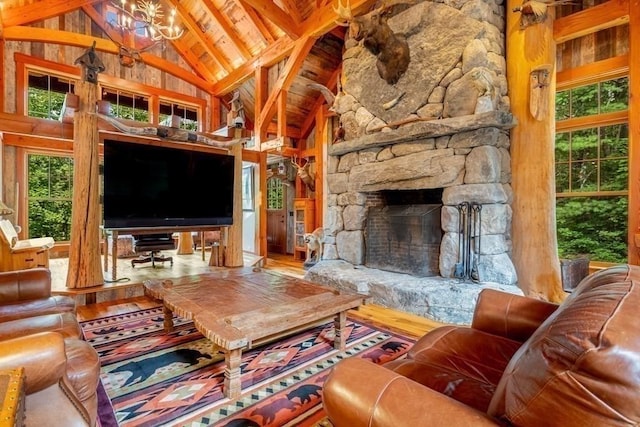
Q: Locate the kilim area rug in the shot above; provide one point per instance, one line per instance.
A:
(151, 378)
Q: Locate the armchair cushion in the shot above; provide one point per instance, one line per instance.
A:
(64, 323)
(453, 361)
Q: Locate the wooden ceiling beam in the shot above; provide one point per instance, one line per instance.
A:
(256, 21)
(288, 74)
(271, 55)
(319, 23)
(44, 35)
(40, 10)
(279, 17)
(227, 28)
(194, 28)
(114, 35)
(292, 9)
(606, 15)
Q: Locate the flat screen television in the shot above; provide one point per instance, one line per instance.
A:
(154, 186)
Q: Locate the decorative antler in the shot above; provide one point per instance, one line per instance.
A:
(344, 12)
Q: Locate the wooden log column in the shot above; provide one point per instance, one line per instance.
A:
(233, 254)
(634, 132)
(84, 249)
(535, 247)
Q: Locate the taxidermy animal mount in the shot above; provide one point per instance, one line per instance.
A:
(303, 172)
(392, 50)
(314, 243)
(535, 11)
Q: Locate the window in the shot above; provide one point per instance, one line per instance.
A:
(592, 152)
(46, 93)
(188, 115)
(49, 196)
(127, 105)
(275, 194)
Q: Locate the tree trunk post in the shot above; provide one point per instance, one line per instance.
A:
(233, 254)
(84, 249)
(535, 247)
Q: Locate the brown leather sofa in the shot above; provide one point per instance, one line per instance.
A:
(523, 362)
(39, 332)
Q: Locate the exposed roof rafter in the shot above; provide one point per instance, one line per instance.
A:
(194, 28)
(38, 11)
(257, 21)
(227, 28)
(276, 15)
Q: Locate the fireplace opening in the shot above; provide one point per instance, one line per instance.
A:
(404, 234)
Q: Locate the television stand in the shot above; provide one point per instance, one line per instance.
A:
(143, 230)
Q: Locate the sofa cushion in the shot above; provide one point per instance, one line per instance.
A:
(63, 323)
(582, 366)
(463, 363)
(37, 307)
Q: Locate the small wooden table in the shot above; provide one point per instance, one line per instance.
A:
(243, 308)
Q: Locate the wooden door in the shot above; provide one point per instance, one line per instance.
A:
(276, 216)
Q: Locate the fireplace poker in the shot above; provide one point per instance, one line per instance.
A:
(476, 208)
(460, 267)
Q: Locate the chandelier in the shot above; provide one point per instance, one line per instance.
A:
(145, 18)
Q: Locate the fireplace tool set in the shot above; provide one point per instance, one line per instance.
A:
(469, 228)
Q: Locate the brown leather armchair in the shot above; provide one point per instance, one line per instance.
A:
(523, 362)
(40, 333)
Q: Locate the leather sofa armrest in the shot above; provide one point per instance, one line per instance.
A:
(360, 393)
(508, 315)
(20, 285)
(42, 356)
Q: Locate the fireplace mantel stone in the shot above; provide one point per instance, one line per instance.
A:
(423, 130)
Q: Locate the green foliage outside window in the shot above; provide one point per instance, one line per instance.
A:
(44, 104)
(592, 174)
(49, 197)
(596, 226)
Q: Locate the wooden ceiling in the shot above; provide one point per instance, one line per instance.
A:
(272, 48)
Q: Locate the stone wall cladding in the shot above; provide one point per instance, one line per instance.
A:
(454, 96)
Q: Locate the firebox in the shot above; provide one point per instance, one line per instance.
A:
(404, 235)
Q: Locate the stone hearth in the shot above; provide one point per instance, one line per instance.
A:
(444, 125)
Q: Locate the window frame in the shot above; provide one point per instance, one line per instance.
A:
(600, 71)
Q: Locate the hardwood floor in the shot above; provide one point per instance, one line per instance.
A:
(184, 265)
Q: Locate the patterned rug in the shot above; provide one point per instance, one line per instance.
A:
(152, 378)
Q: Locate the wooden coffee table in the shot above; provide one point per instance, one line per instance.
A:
(242, 308)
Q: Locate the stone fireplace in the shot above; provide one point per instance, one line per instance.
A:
(442, 129)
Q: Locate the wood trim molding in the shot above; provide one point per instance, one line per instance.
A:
(606, 69)
(586, 122)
